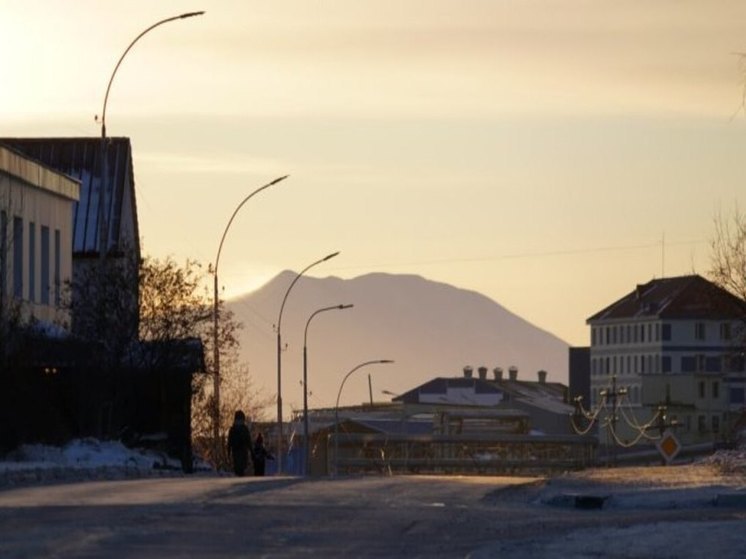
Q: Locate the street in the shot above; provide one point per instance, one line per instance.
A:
(403, 516)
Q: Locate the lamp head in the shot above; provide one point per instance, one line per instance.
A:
(329, 257)
(340, 307)
(191, 14)
(278, 180)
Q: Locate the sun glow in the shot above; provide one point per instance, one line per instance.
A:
(242, 278)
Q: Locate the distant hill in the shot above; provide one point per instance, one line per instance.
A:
(430, 329)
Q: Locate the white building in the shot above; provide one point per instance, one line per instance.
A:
(677, 342)
(36, 237)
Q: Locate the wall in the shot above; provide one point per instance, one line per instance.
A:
(37, 195)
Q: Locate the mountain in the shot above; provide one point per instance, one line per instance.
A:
(428, 328)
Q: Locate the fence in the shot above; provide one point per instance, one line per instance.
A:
(458, 454)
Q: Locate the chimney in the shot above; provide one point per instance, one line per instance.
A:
(482, 373)
(513, 373)
(542, 377)
(498, 371)
(467, 371)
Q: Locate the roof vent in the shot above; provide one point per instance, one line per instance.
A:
(468, 371)
(498, 372)
(542, 377)
(513, 373)
(482, 373)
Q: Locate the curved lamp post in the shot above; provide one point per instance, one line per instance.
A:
(102, 217)
(336, 407)
(279, 356)
(305, 380)
(215, 305)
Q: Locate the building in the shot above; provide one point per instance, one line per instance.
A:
(675, 342)
(112, 216)
(36, 238)
(543, 403)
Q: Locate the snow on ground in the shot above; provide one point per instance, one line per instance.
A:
(82, 459)
(642, 492)
(703, 485)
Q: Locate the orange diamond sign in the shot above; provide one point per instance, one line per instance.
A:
(669, 446)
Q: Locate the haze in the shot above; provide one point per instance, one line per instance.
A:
(548, 154)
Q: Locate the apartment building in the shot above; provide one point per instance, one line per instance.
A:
(677, 342)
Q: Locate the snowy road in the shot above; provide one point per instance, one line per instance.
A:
(359, 517)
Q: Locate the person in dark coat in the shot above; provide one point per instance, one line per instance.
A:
(260, 455)
(239, 443)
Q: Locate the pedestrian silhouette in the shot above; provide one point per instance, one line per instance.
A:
(239, 443)
(260, 455)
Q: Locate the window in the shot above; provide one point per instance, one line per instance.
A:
(32, 261)
(593, 336)
(57, 266)
(3, 250)
(715, 424)
(666, 332)
(17, 257)
(701, 424)
(45, 265)
(725, 333)
(701, 385)
(737, 396)
(713, 364)
(642, 333)
(629, 334)
(715, 389)
(699, 331)
(657, 332)
(666, 363)
(701, 363)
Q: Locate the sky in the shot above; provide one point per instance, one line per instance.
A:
(549, 154)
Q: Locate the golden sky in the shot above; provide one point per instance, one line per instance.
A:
(535, 151)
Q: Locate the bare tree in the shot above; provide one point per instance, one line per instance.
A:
(728, 253)
(173, 306)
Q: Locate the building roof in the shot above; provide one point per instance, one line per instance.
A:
(80, 158)
(38, 175)
(546, 395)
(683, 297)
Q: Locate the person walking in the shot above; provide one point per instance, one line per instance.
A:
(260, 455)
(239, 443)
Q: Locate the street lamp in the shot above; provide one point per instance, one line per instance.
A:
(215, 304)
(102, 212)
(279, 356)
(336, 406)
(305, 379)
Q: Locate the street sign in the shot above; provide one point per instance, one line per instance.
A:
(669, 446)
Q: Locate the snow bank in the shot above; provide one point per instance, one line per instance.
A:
(83, 459)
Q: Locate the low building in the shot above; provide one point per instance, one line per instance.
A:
(543, 402)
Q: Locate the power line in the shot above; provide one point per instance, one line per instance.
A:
(520, 255)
